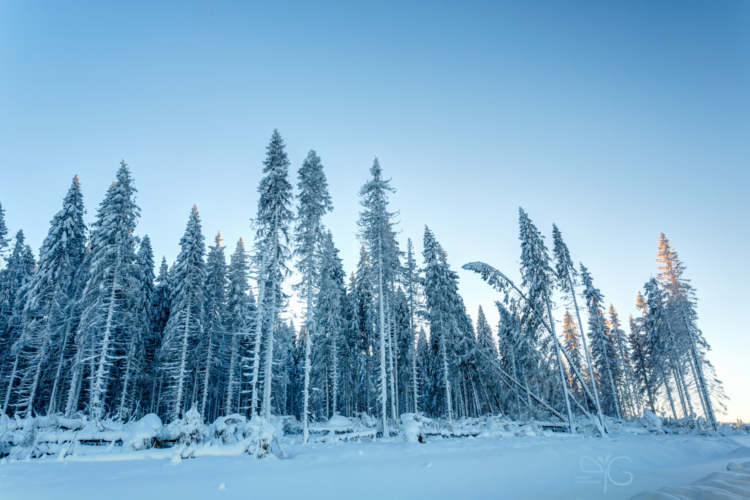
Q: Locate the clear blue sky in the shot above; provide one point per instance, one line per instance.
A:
(615, 120)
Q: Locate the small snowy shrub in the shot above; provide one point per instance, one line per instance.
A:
(651, 422)
(189, 430)
(259, 438)
(412, 427)
(229, 429)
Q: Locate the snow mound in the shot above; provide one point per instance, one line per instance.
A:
(651, 422)
(412, 427)
(254, 437)
(339, 423)
(143, 433)
(735, 483)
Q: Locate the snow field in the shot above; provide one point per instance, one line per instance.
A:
(506, 468)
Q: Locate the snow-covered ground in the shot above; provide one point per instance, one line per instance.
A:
(455, 468)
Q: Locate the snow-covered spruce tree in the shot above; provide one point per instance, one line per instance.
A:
(47, 302)
(294, 368)
(272, 241)
(441, 294)
(412, 287)
(567, 280)
(423, 361)
(376, 232)
(185, 328)
(240, 324)
(329, 319)
(362, 328)
(681, 305)
(3, 232)
(160, 319)
(620, 342)
(404, 345)
(572, 344)
(484, 334)
(537, 277)
(106, 320)
(641, 359)
(603, 350)
(14, 281)
(349, 350)
(135, 378)
(283, 360)
(211, 344)
(488, 356)
(510, 345)
(665, 358)
(313, 203)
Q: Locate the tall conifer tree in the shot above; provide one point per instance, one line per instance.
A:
(185, 328)
(314, 202)
(272, 240)
(376, 232)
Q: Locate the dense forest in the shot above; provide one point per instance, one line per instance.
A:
(93, 327)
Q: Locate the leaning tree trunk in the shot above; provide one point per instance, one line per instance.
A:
(588, 356)
(563, 383)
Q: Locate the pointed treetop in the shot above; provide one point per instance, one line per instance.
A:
(566, 273)
(274, 212)
(3, 231)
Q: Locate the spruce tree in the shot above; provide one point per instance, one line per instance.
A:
(211, 343)
(641, 363)
(106, 319)
(329, 317)
(3, 232)
(14, 280)
(185, 328)
(412, 283)
(314, 202)
(273, 220)
(621, 346)
(363, 327)
(140, 351)
(603, 349)
(567, 280)
(376, 232)
(48, 301)
(441, 302)
(160, 319)
(537, 277)
(238, 321)
(484, 335)
(573, 346)
(681, 305)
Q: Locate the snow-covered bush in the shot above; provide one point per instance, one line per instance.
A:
(228, 430)
(188, 430)
(412, 427)
(256, 436)
(143, 433)
(259, 438)
(651, 422)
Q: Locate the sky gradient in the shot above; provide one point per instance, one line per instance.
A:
(615, 121)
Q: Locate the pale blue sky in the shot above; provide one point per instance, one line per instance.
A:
(614, 120)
